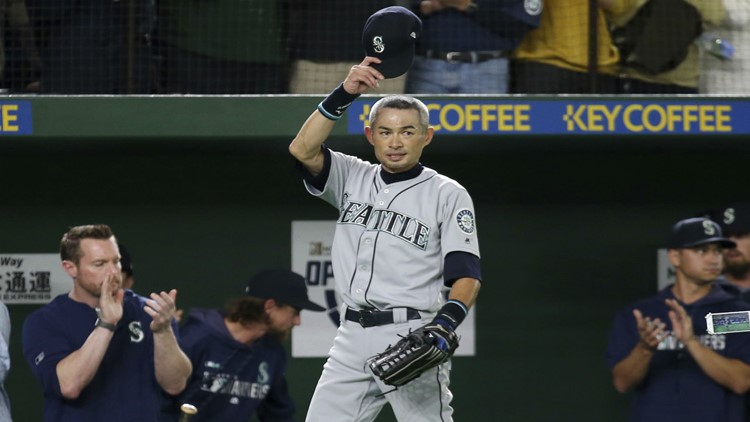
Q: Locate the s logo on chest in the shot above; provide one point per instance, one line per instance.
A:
(136, 332)
(263, 376)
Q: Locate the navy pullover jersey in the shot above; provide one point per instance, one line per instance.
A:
(124, 388)
(232, 380)
(675, 388)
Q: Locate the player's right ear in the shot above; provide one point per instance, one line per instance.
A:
(70, 268)
(674, 257)
(269, 304)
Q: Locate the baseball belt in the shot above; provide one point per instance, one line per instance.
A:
(374, 317)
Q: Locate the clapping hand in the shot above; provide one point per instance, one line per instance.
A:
(682, 324)
(651, 331)
(162, 308)
(110, 298)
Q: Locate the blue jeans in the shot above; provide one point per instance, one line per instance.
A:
(432, 76)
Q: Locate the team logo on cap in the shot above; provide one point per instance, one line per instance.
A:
(729, 216)
(377, 44)
(533, 7)
(708, 228)
(465, 220)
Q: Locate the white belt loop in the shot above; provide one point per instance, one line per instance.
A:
(399, 315)
(342, 313)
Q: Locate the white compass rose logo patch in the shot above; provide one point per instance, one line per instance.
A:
(465, 220)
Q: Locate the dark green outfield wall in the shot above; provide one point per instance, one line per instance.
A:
(568, 230)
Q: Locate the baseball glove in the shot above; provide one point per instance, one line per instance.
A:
(418, 351)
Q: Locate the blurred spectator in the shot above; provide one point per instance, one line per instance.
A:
(325, 38)
(554, 58)
(20, 65)
(730, 76)
(94, 46)
(671, 28)
(4, 362)
(224, 46)
(465, 45)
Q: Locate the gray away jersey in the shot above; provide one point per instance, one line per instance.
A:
(391, 239)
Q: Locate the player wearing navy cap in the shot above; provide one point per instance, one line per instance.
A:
(237, 353)
(102, 353)
(734, 220)
(404, 235)
(659, 348)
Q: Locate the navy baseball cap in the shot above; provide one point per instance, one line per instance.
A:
(697, 231)
(390, 34)
(283, 286)
(733, 218)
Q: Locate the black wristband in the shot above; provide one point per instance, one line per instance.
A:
(451, 314)
(336, 103)
(104, 324)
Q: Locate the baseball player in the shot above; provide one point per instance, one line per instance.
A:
(404, 234)
(102, 353)
(734, 220)
(659, 348)
(238, 355)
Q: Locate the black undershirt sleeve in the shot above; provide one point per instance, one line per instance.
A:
(319, 181)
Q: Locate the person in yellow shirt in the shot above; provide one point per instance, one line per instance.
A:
(554, 58)
(684, 78)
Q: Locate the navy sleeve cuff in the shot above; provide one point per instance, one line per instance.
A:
(461, 264)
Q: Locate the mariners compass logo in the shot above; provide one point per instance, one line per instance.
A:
(465, 220)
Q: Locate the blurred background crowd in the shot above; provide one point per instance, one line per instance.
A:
(305, 46)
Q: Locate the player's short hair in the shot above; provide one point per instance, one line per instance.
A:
(401, 102)
(246, 310)
(70, 245)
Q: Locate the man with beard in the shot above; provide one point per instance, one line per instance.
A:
(659, 348)
(238, 356)
(734, 220)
